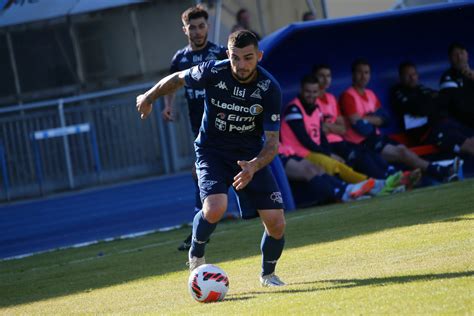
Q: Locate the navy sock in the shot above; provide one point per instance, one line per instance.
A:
(197, 196)
(271, 252)
(202, 230)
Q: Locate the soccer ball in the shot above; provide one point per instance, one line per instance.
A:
(208, 283)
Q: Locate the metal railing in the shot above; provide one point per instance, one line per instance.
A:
(128, 147)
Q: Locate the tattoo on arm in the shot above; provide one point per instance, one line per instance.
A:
(167, 85)
(269, 150)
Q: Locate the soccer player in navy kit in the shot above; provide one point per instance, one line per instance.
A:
(199, 49)
(242, 105)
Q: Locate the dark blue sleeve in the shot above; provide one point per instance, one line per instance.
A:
(223, 53)
(271, 107)
(174, 63)
(324, 141)
(196, 77)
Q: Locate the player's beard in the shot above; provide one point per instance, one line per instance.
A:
(199, 46)
(246, 78)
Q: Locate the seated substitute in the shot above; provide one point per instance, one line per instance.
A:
(423, 114)
(359, 157)
(301, 131)
(457, 83)
(364, 115)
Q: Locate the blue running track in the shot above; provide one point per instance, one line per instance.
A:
(62, 221)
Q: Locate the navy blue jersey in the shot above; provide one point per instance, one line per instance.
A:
(186, 58)
(235, 114)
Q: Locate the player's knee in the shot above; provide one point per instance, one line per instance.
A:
(469, 142)
(402, 151)
(213, 215)
(310, 171)
(276, 228)
(213, 211)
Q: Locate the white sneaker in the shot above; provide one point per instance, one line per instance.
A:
(195, 262)
(270, 280)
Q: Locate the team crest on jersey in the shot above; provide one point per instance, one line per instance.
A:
(211, 56)
(275, 117)
(197, 58)
(256, 109)
(264, 84)
(220, 124)
(256, 94)
(196, 73)
(184, 60)
(221, 85)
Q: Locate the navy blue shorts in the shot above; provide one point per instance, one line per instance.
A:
(378, 142)
(216, 172)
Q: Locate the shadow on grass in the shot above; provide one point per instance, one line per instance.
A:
(334, 284)
(79, 270)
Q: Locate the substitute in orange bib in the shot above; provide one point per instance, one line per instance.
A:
(364, 115)
(301, 129)
(359, 157)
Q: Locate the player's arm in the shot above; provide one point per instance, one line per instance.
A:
(338, 127)
(358, 123)
(168, 111)
(266, 155)
(374, 119)
(167, 85)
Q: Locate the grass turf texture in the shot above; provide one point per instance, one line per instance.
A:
(404, 254)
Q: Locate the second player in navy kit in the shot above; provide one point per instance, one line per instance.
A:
(242, 107)
(198, 50)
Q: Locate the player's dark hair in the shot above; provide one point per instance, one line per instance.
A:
(309, 78)
(195, 12)
(358, 62)
(403, 65)
(318, 67)
(455, 45)
(241, 39)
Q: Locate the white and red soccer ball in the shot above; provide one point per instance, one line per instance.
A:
(208, 283)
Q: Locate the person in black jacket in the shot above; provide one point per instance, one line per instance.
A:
(457, 83)
(424, 114)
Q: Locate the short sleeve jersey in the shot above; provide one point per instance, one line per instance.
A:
(186, 58)
(235, 114)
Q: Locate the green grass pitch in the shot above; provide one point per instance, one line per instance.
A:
(406, 254)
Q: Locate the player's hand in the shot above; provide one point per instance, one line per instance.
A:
(326, 128)
(167, 113)
(245, 176)
(338, 158)
(144, 106)
(467, 72)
